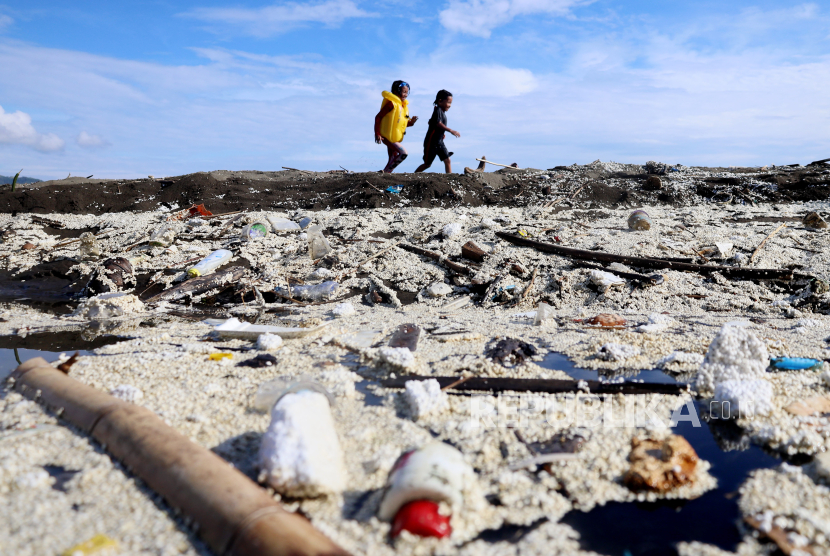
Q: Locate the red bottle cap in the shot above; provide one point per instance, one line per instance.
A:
(421, 518)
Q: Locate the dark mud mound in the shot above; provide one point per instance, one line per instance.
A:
(224, 191)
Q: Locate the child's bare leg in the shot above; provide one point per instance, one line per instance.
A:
(397, 154)
(422, 167)
(448, 166)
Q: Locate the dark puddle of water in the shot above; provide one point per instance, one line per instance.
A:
(640, 529)
(561, 362)
(49, 345)
(652, 529)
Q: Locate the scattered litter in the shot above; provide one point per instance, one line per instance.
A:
(398, 357)
(451, 230)
(639, 220)
(438, 289)
(394, 189)
(318, 292)
(318, 245)
(268, 342)
(234, 328)
(734, 354)
(89, 249)
(660, 465)
(617, 352)
(254, 230)
(435, 472)
(425, 397)
(605, 280)
(406, 336)
(795, 363)
(545, 314)
(657, 323)
(300, 454)
(814, 220)
(510, 352)
(606, 320)
(279, 224)
(99, 545)
(343, 310)
(210, 263)
(220, 356)
(456, 304)
(261, 360)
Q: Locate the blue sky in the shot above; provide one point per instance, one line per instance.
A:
(169, 87)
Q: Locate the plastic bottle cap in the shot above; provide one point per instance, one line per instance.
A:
(194, 272)
(421, 518)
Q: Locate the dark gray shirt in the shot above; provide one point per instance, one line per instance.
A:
(435, 133)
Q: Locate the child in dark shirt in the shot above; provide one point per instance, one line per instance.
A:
(434, 141)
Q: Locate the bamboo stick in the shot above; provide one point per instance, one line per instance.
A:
(233, 514)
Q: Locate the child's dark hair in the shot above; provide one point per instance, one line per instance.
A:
(397, 87)
(442, 95)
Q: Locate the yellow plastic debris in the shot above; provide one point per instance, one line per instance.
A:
(524, 233)
(95, 545)
(220, 356)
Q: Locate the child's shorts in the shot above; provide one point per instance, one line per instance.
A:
(436, 149)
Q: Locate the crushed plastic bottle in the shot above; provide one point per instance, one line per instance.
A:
(317, 292)
(254, 230)
(544, 314)
(165, 235)
(318, 245)
(89, 250)
(210, 263)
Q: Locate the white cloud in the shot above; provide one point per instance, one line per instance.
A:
(89, 141)
(16, 128)
(5, 21)
(480, 17)
(277, 18)
(471, 80)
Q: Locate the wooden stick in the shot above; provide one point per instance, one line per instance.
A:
(461, 380)
(501, 384)
(460, 268)
(530, 285)
(218, 215)
(497, 164)
(645, 262)
(758, 249)
(578, 191)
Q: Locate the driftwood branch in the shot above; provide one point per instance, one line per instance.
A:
(202, 284)
(646, 262)
(542, 385)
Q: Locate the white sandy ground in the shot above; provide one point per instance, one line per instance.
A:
(166, 358)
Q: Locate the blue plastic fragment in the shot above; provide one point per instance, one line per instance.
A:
(794, 363)
(394, 189)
